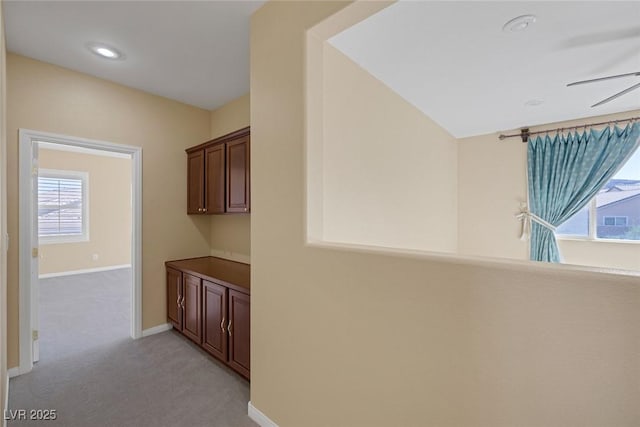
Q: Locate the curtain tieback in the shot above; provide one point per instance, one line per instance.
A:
(526, 216)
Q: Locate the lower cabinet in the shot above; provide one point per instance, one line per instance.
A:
(174, 298)
(214, 314)
(239, 326)
(214, 310)
(192, 313)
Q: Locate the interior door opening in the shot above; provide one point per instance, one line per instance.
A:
(83, 220)
(80, 272)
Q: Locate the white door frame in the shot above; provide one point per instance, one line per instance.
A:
(26, 304)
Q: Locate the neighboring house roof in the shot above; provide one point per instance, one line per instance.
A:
(628, 187)
(606, 198)
(622, 183)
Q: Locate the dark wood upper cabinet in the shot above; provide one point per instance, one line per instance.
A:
(214, 313)
(174, 298)
(195, 182)
(239, 331)
(192, 323)
(219, 175)
(238, 175)
(214, 183)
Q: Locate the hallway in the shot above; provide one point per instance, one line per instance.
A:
(93, 374)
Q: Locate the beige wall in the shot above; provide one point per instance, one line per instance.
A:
(230, 117)
(390, 173)
(48, 98)
(344, 338)
(230, 234)
(3, 217)
(109, 213)
(492, 179)
(624, 255)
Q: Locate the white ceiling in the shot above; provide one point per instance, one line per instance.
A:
(453, 61)
(196, 52)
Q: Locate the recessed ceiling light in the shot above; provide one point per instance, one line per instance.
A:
(534, 102)
(519, 23)
(104, 51)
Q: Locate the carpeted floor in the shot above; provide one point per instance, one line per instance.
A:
(81, 312)
(93, 374)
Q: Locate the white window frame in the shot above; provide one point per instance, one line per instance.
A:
(593, 229)
(72, 238)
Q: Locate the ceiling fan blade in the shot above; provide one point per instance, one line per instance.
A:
(619, 94)
(599, 79)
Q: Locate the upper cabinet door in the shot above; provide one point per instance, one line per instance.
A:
(214, 182)
(219, 175)
(195, 182)
(238, 197)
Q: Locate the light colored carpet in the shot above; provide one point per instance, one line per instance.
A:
(81, 312)
(93, 374)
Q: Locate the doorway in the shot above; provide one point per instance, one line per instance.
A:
(31, 248)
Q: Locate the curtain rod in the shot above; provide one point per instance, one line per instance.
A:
(524, 132)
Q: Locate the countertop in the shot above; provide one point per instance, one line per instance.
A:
(235, 275)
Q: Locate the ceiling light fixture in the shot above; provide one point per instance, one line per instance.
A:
(534, 102)
(104, 51)
(519, 23)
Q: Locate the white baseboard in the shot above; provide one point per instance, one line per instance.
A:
(87, 270)
(256, 415)
(14, 372)
(156, 329)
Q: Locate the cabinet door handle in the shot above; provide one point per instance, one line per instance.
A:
(178, 302)
(182, 302)
(204, 210)
(229, 327)
(222, 325)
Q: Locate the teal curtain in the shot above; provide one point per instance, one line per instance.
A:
(565, 172)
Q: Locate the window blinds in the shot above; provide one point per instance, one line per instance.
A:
(60, 203)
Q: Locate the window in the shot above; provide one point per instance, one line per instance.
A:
(62, 206)
(615, 220)
(615, 211)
